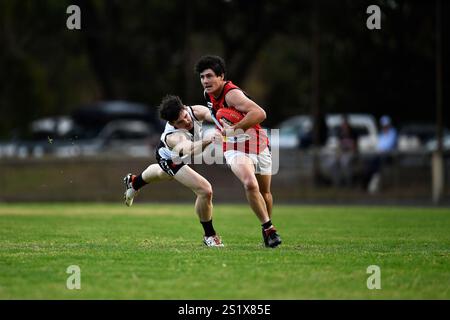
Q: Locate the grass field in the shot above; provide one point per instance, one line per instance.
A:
(155, 252)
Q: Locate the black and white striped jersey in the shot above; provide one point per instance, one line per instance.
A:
(195, 134)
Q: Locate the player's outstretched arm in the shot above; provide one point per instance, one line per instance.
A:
(182, 146)
(254, 114)
(202, 113)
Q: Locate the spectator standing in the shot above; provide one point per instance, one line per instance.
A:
(387, 143)
(346, 155)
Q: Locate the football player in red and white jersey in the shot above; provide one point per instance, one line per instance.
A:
(251, 166)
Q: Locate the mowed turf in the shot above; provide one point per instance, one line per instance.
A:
(154, 251)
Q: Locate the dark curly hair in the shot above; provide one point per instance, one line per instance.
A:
(170, 108)
(215, 63)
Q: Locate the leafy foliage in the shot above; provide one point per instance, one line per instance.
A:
(141, 50)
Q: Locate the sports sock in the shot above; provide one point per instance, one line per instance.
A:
(267, 225)
(208, 227)
(138, 182)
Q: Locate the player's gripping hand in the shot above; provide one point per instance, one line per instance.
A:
(215, 137)
(228, 130)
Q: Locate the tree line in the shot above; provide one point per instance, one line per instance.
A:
(288, 55)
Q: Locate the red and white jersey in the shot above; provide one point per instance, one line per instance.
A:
(258, 137)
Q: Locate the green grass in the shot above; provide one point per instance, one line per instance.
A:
(155, 252)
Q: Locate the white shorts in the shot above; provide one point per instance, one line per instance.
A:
(262, 161)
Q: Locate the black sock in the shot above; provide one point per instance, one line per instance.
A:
(138, 182)
(208, 227)
(267, 225)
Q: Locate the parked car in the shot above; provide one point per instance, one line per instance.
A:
(296, 131)
(432, 144)
(118, 137)
(56, 127)
(421, 137)
(115, 127)
(97, 115)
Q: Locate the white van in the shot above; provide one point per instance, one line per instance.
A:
(293, 129)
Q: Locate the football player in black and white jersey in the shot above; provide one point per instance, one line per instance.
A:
(182, 137)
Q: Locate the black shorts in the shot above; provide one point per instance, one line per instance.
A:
(167, 165)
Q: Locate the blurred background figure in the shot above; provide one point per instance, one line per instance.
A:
(387, 144)
(387, 140)
(305, 136)
(346, 155)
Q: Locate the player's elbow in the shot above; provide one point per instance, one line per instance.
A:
(182, 150)
(261, 115)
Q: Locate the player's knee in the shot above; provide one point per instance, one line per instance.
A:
(251, 184)
(267, 195)
(209, 193)
(205, 191)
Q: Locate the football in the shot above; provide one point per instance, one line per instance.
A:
(229, 116)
